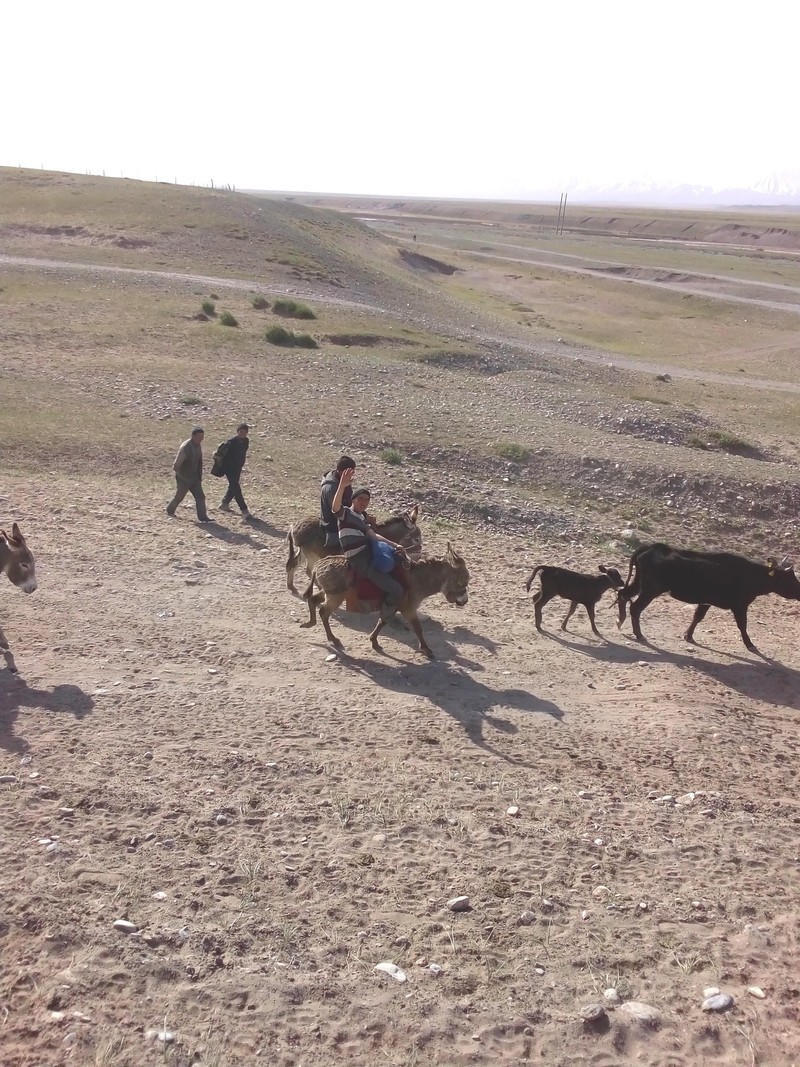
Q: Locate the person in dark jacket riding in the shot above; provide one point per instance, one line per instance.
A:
(232, 466)
(330, 483)
(356, 538)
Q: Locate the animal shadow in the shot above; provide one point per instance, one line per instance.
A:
(471, 703)
(16, 694)
(761, 679)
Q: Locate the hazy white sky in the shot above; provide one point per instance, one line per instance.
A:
(443, 97)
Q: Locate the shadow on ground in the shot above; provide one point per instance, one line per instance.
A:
(756, 678)
(16, 694)
(471, 703)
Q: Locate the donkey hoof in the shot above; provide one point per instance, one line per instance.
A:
(307, 625)
(427, 652)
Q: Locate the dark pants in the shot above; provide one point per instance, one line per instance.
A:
(362, 563)
(196, 489)
(235, 492)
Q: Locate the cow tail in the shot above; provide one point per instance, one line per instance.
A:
(534, 572)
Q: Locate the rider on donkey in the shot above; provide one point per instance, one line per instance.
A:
(356, 537)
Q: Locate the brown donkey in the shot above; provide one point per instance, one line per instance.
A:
(307, 540)
(335, 577)
(16, 560)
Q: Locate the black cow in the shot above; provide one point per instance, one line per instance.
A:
(708, 579)
(579, 588)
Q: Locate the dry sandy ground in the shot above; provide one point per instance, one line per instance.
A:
(275, 824)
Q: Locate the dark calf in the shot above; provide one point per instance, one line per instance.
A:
(586, 589)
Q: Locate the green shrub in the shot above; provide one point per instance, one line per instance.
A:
(208, 307)
(304, 340)
(190, 401)
(393, 456)
(226, 319)
(292, 310)
(508, 450)
(277, 335)
(260, 303)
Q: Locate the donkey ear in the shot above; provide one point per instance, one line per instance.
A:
(3, 536)
(17, 533)
(602, 568)
(414, 513)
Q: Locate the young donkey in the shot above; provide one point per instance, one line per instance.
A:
(16, 561)
(586, 589)
(335, 577)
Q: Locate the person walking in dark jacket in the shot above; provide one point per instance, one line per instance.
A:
(188, 467)
(232, 466)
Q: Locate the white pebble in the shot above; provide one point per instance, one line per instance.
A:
(125, 927)
(720, 1002)
(391, 969)
(756, 991)
(458, 904)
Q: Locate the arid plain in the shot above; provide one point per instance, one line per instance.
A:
(177, 753)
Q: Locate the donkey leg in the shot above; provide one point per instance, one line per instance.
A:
(326, 610)
(7, 653)
(313, 603)
(416, 626)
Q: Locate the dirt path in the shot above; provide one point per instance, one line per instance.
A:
(508, 341)
(275, 823)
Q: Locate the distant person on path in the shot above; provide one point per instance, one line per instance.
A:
(188, 467)
(232, 467)
(330, 484)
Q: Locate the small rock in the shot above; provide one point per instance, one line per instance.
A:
(685, 800)
(601, 892)
(165, 1036)
(539, 970)
(392, 970)
(159, 895)
(642, 1013)
(434, 968)
(459, 904)
(402, 942)
(719, 1002)
(593, 1014)
(221, 820)
(612, 996)
(756, 991)
(526, 918)
(8, 779)
(331, 658)
(711, 991)
(125, 927)
(512, 811)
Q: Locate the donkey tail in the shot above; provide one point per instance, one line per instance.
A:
(534, 572)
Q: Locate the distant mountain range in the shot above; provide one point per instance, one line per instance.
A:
(775, 190)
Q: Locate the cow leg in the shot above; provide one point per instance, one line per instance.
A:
(590, 613)
(740, 614)
(700, 613)
(569, 615)
(7, 653)
(637, 607)
(539, 602)
(325, 612)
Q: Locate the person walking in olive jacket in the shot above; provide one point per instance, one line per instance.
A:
(232, 466)
(188, 467)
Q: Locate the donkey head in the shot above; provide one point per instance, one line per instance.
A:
(16, 559)
(403, 529)
(456, 578)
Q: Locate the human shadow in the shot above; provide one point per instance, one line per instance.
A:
(15, 694)
(468, 701)
(246, 536)
(763, 679)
